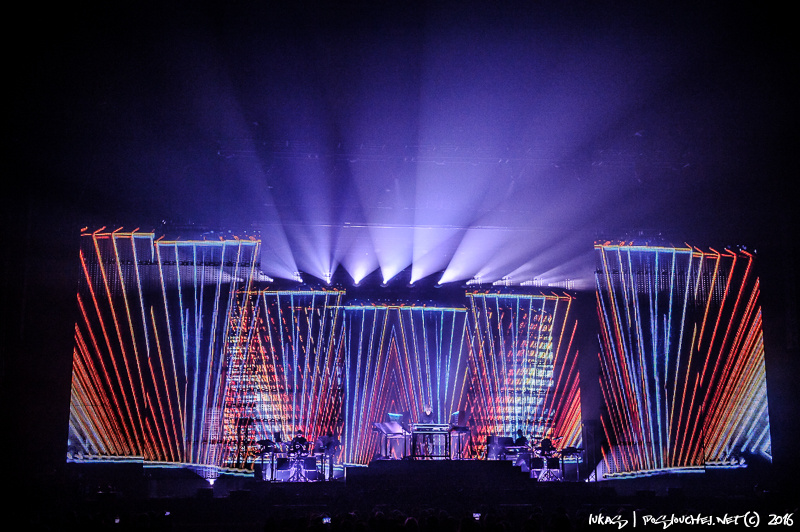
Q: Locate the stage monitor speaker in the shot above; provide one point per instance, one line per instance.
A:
(553, 463)
(571, 470)
(310, 468)
(283, 469)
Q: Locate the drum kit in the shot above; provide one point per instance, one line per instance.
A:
(548, 454)
(546, 460)
(294, 460)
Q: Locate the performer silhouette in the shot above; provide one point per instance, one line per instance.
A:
(298, 443)
(427, 440)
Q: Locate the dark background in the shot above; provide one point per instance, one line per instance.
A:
(681, 117)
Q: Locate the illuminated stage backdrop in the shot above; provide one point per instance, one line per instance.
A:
(682, 358)
(400, 358)
(283, 371)
(184, 354)
(154, 316)
(524, 368)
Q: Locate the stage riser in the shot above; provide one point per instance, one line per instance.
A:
(437, 475)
